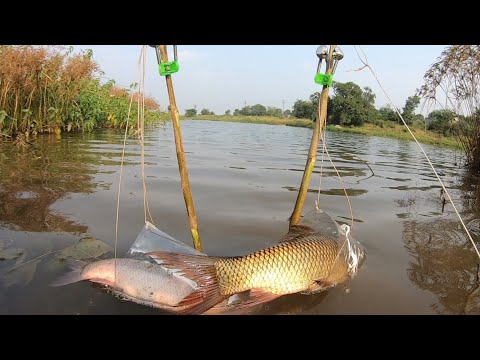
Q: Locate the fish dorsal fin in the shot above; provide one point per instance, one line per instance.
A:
(297, 231)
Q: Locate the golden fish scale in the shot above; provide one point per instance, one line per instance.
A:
(285, 268)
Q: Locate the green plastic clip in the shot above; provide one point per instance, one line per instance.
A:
(324, 79)
(168, 68)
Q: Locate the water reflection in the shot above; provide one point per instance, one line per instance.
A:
(336, 192)
(442, 259)
(470, 194)
(293, 304)
(34, 178)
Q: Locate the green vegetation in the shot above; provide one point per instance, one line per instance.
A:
(443, 122)
(408, 113)
(352, 105)
(270, 120)
(396, 131)
(306, 109)
(191, 112)
(50, 89)
(255, 110)
(206, 112)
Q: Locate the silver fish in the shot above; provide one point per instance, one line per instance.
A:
(136, 280)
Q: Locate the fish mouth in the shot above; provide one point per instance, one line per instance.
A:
(362, 254)
(356, 256)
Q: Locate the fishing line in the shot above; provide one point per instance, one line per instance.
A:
(351, 257)
(120, 183)
(325, 148)
(317, 203)
(4, 245)
(358, 181)
(141, 115)
(366, 65)
(49, 253)
(350, 254)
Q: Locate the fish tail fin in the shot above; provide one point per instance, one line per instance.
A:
(200, 269)
(74, 275)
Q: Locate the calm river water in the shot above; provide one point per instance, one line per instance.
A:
(244, 179)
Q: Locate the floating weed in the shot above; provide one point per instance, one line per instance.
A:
(24, 271)
(9, 254)
(86, 248)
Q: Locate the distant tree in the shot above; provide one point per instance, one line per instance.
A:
(388, 114)
(258, 110)
(287, 113)
(420, 118)
(245, 111)
(314, 100)
(442, 121)
(369, 95)
(212, 113)
(351, 105)
(303, 109)
(255, 110)
(409, 109)
(273, 111)
(191, 112)
(227, 112)
(205, 112)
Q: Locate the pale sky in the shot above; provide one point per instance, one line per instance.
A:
(224, 77)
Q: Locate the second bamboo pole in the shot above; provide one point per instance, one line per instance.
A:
(182, 166)
(312, 153)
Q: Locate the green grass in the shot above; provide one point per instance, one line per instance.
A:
(401, 133)
(391, 130)
(270, 120)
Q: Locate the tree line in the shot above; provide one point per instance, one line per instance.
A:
(350, 105)
(255, 110)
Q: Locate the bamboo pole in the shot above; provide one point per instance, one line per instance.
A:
(182, 166)
(312, 153)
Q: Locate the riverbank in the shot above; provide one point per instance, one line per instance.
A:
(392, 130)
(269, 120)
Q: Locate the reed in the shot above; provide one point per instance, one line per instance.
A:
(51, 89)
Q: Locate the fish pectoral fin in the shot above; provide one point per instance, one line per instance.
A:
(234, 299)
(256, 297)
(318, 286)
(200, 301)
(201, 270)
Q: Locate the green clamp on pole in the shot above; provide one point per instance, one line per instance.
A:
(324, 79)
(170, 67)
